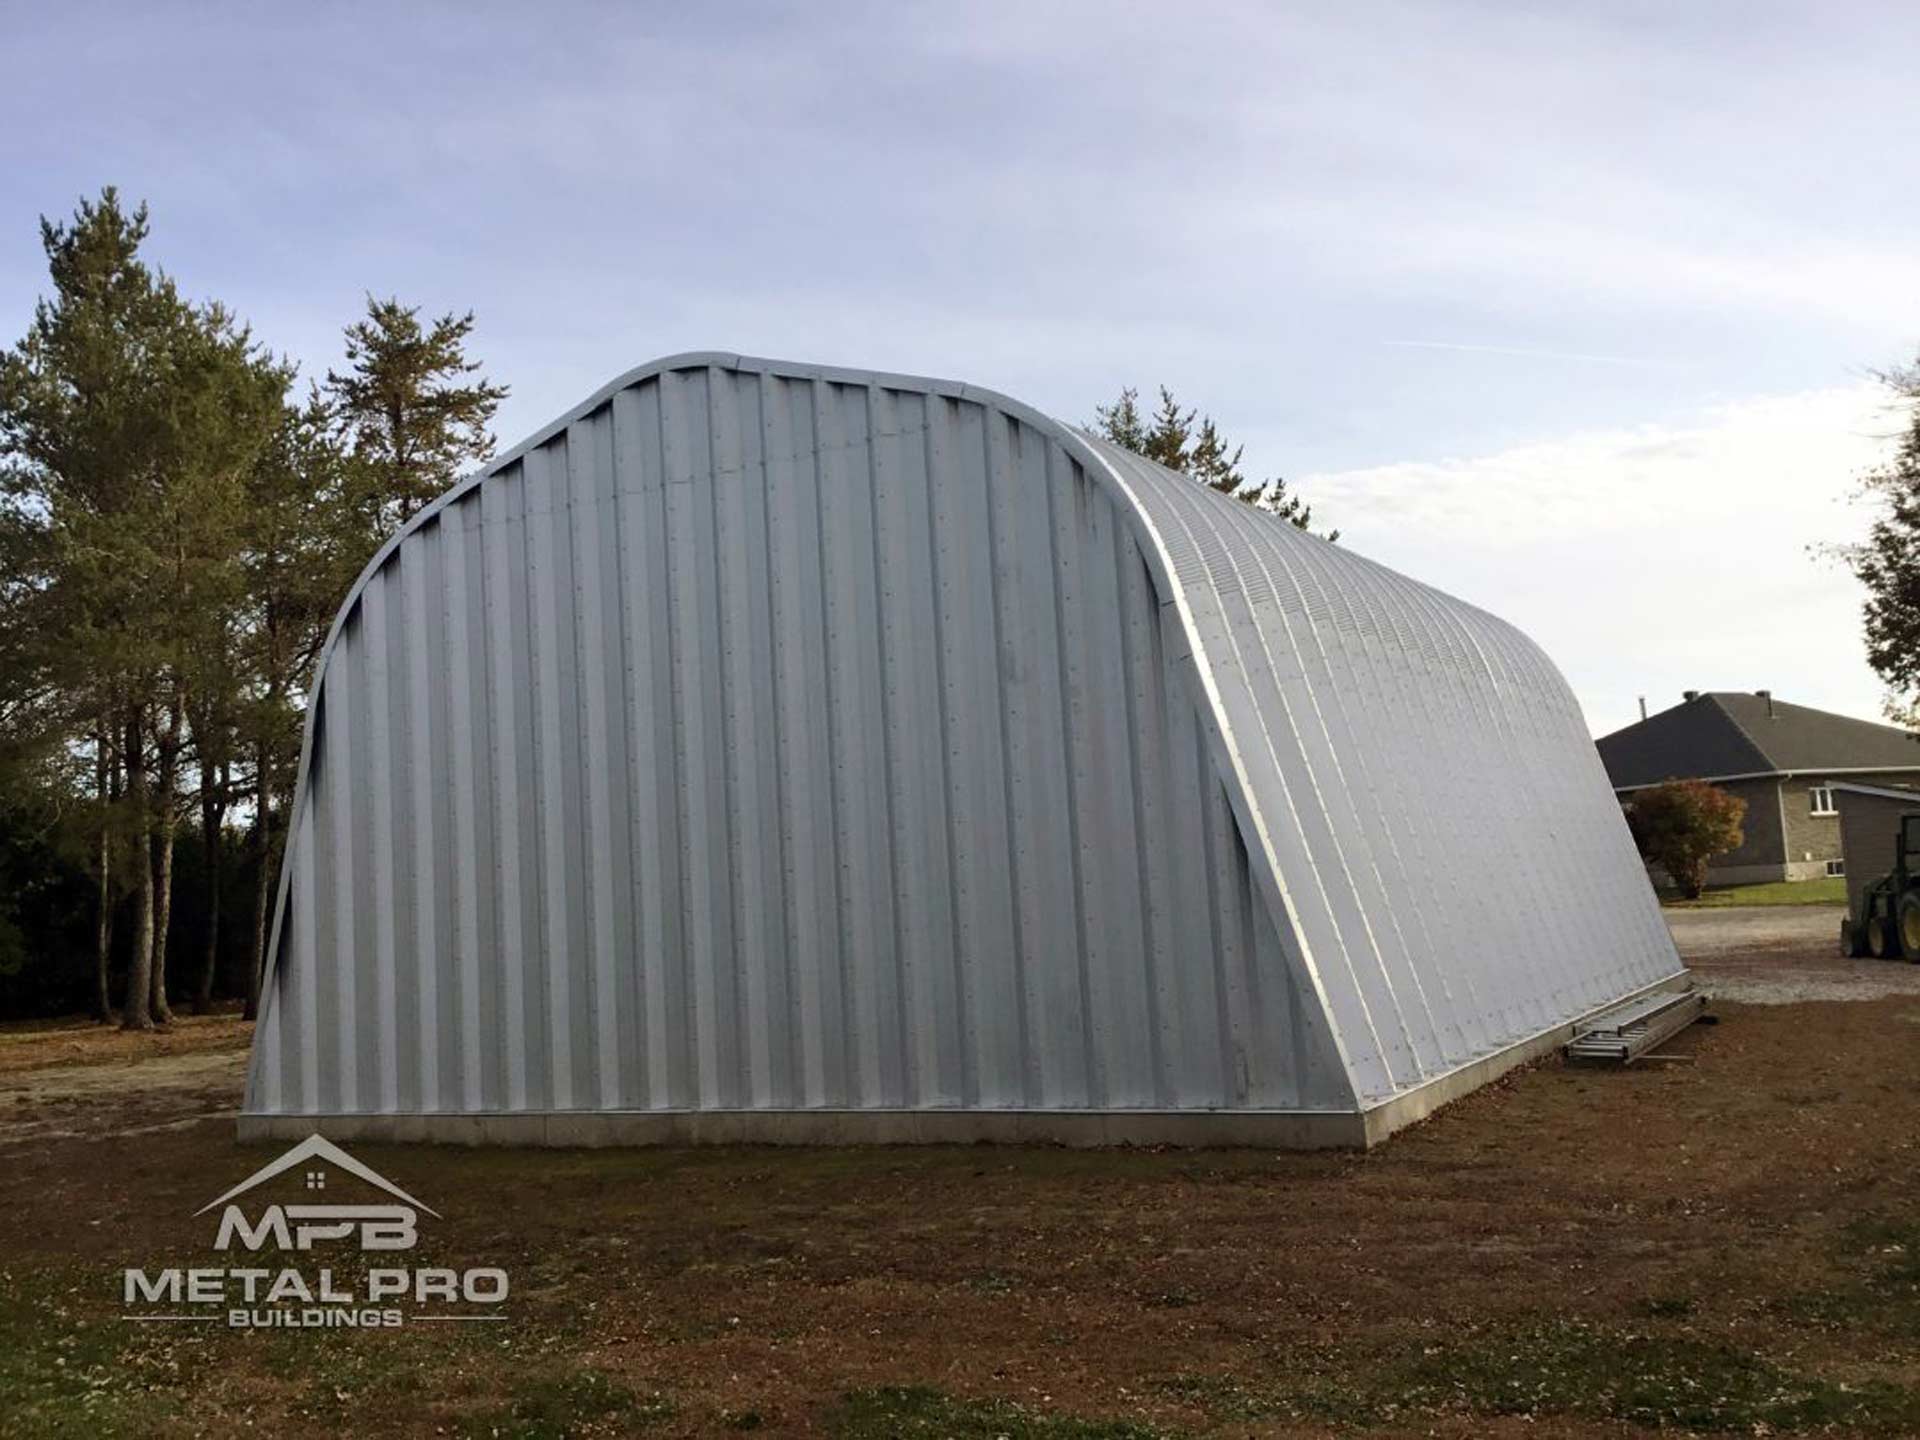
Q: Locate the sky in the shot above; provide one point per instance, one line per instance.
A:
(1572, 311)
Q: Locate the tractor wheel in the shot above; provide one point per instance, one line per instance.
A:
(1910, 927)
(1881, 939)
(1852, 943)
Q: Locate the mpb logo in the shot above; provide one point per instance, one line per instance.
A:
(383, 1297)
(296, 1227)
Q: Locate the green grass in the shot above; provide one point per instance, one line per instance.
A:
(1827, 890)
(69, 1370)
(1661, 1381)
(64, 1376)
(576, 1403)
(1330, 1395)
(1876, 1285)
(1555, 1367)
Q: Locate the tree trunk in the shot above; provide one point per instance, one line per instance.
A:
(262, 881)
(213, 815)
(165, 791)
(162, 918)
(103, 920)
(134, 1014)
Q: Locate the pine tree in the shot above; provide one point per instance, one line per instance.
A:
(1172, 438)
(1122, 423)
(227, 401)
(1888, 562)
(414, 419)
(81, 413)
(129, 421)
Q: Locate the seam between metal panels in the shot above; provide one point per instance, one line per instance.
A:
(1137, 802)
(957, 947)
(730, 1070)
(849, 1066)
(910, 1060)
(993, 423)
(1092, 1075)
(778, 740)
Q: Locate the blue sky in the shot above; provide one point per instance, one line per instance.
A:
(1568, 310)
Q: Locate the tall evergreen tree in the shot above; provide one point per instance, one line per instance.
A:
(81, 413)
(129, 421)
(231, 398)
(175, 538)
(414, 407)
(1171, 437)
(1888, 561)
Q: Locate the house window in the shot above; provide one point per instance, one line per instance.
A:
(1836, 867)
(1823, 800)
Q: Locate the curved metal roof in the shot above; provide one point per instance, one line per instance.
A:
(1433, 839)
(1422, 781)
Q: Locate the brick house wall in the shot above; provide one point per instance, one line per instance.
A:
(1812, 840)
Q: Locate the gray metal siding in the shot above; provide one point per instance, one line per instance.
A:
(1444, 844)
(761, 738)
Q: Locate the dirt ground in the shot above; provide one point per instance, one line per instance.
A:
(69, 1078)
(1728, 1243)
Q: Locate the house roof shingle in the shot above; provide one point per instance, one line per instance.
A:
(1724, 733)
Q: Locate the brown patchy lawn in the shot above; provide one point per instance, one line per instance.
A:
(1731, 1244)
(39, 1044)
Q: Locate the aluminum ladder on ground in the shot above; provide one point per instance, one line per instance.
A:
(1626, 1032)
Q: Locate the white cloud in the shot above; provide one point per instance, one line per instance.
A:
(1653, 559)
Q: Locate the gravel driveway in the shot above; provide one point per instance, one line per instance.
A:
(1781, 954)
(1719, 931)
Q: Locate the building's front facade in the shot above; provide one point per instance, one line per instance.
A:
(1783, 760)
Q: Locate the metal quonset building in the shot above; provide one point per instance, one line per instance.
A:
(770, 752)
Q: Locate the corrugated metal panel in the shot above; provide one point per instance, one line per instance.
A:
(763, 737)
(1444, 844)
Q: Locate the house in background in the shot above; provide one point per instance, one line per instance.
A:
(1782, 759)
